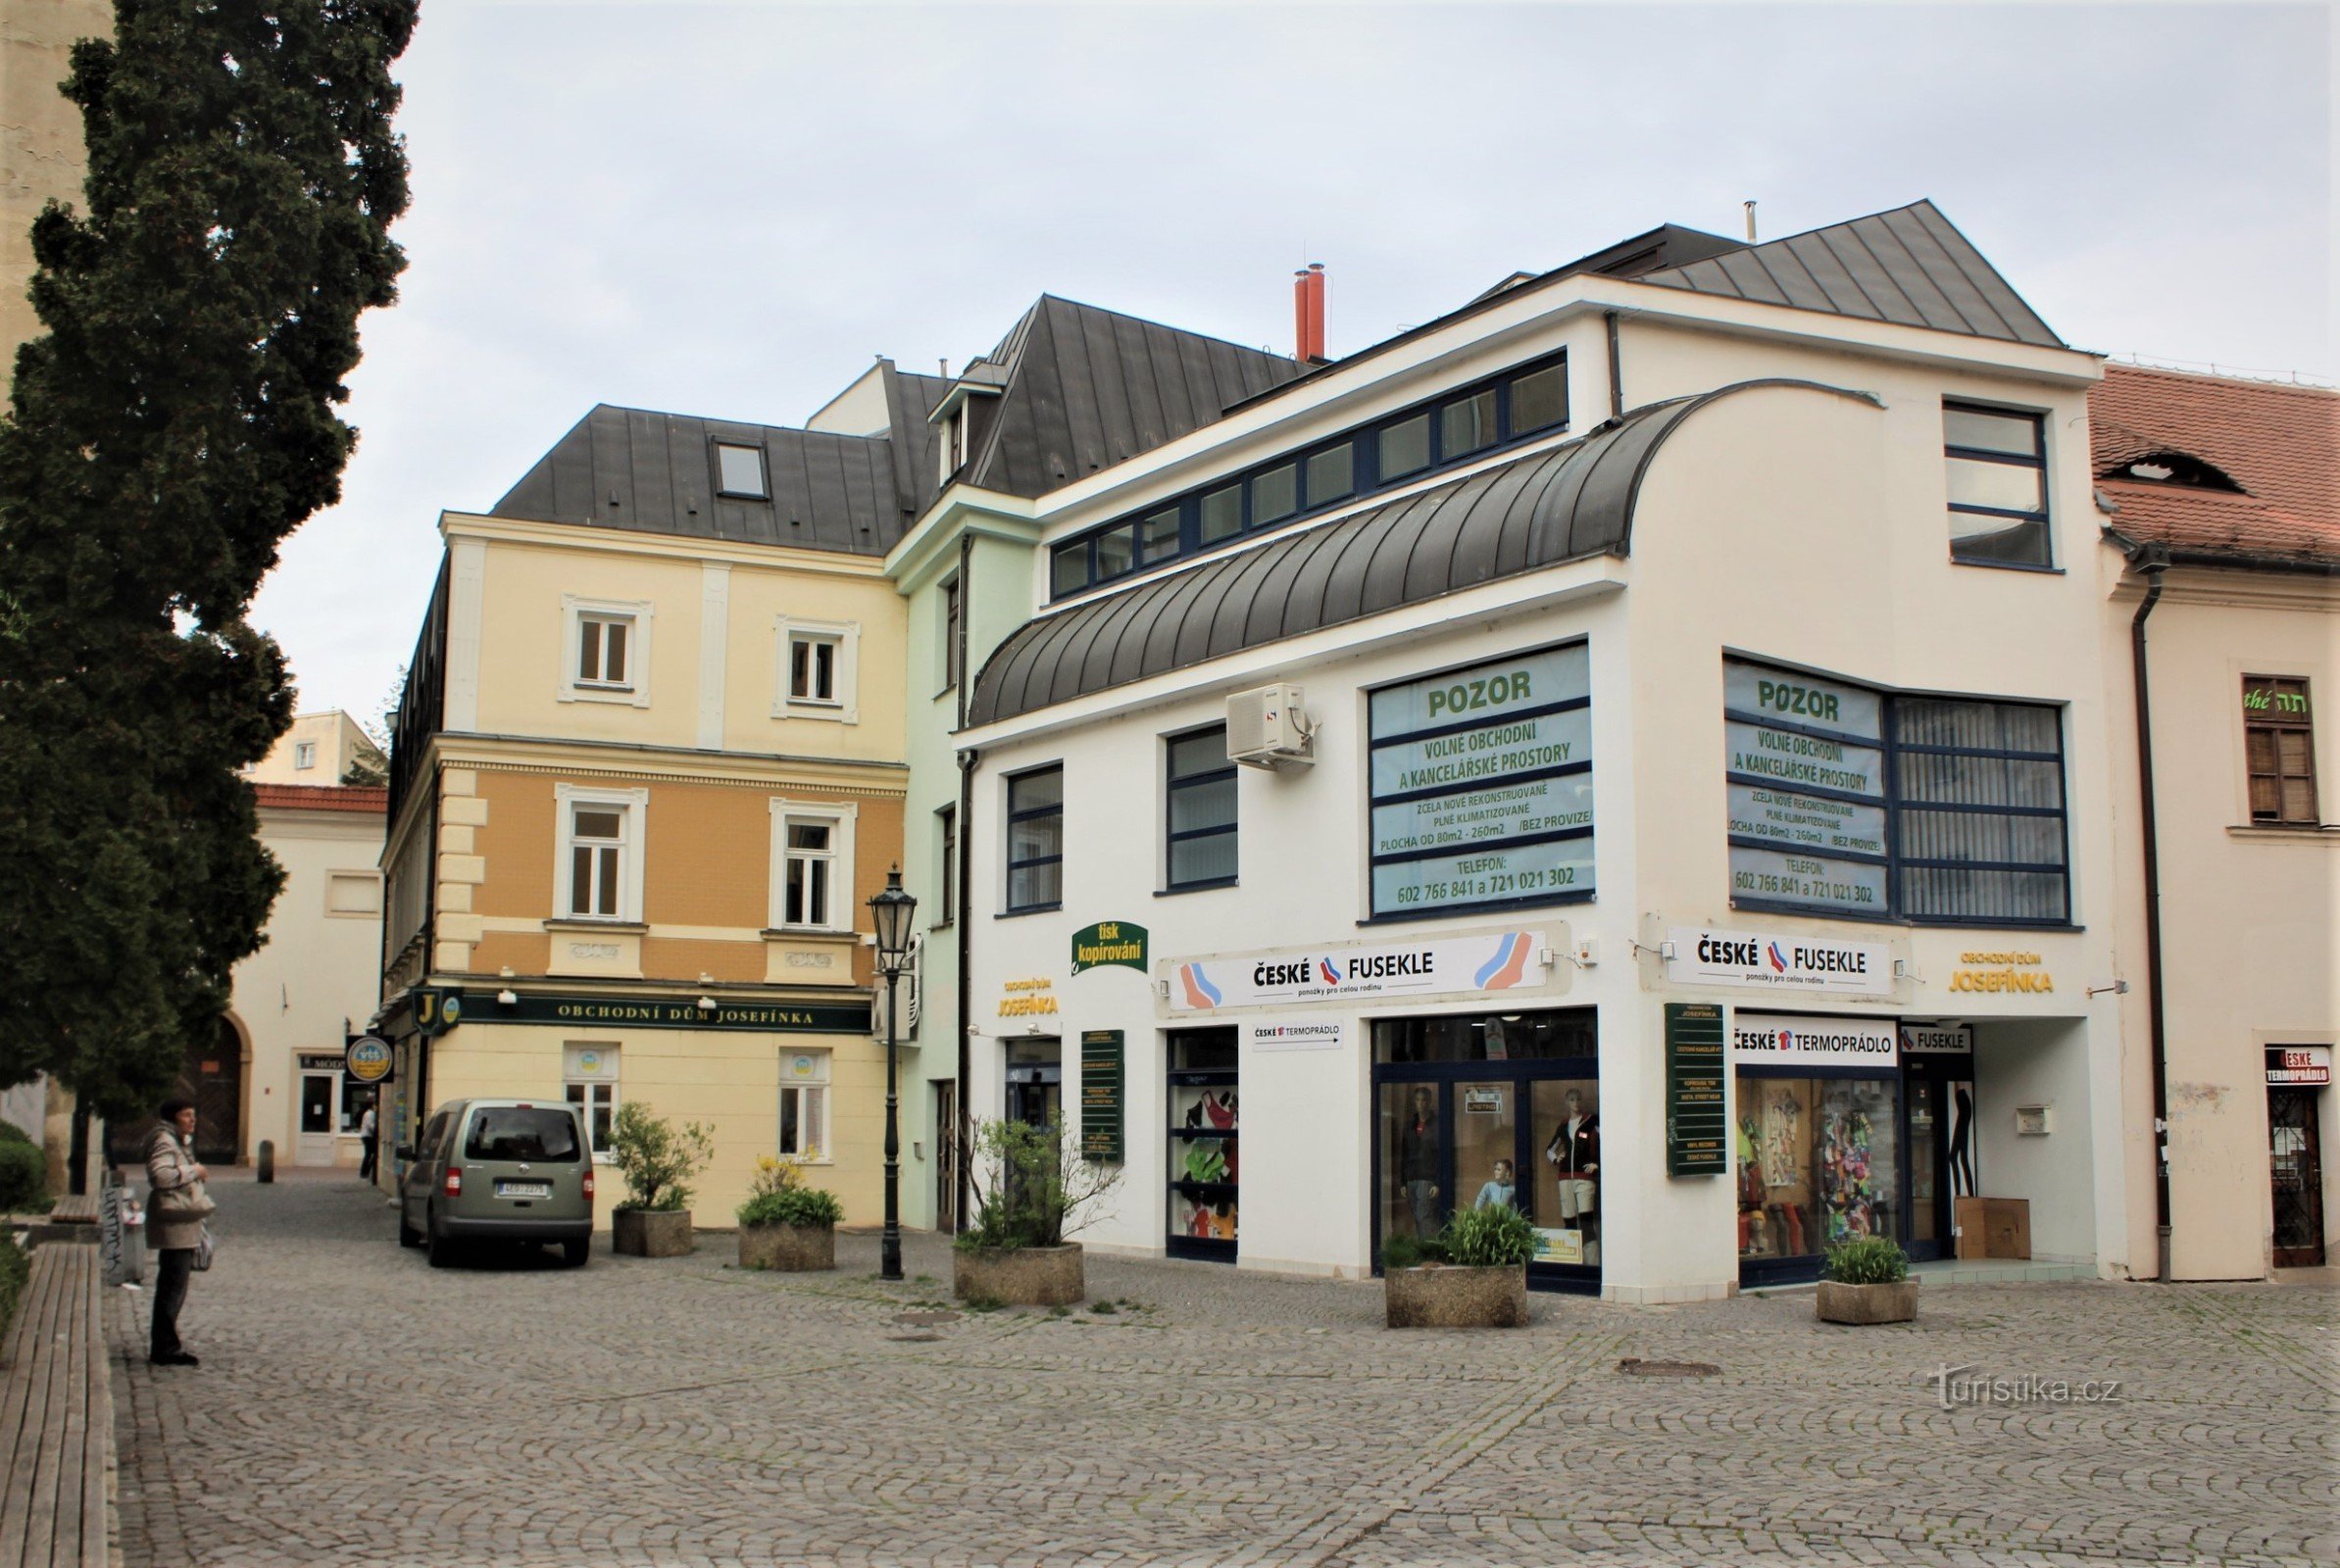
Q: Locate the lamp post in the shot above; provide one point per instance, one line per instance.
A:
(892, 910)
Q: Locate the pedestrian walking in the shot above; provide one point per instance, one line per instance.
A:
(177, 1204)
(366, 1145)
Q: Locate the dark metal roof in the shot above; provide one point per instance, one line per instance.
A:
(649, 472)
(1087, 388)
(1537, 511)
(1910, 265)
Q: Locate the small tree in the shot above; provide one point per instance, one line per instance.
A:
(656, 1158)
(1031, 1185)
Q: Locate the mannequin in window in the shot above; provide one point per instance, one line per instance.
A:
(1574, 1155)
(1962, 1133)
(1417, 1161)
(1501, 1190)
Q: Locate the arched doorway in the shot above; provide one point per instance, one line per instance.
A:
(213, 1077)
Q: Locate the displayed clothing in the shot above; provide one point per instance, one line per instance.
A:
(1575, 1145)
(1206, 1161)
(1504, 1194)
(1218, 1111)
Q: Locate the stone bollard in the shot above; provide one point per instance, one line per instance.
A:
(267, 1161)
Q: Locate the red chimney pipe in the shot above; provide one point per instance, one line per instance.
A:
(1308, 314)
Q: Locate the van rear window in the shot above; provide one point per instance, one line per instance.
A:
(522, 1131)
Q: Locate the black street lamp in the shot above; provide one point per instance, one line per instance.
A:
(892, 909)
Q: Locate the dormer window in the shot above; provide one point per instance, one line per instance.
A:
(2176, 468)
(740, 472)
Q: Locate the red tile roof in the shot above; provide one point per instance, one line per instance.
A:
(2280, 443)
(325, 797)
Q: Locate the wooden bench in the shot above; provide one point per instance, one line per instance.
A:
(57, 1507)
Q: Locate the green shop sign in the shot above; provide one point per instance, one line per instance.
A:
(1101, 1095)
(665, 1012)
(1695, 1122)
(1110, 942)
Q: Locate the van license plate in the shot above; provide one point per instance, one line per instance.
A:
(524, 1189)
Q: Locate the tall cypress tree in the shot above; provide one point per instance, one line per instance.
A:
(174, 423)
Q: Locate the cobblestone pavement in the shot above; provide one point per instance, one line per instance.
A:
(356, 1407)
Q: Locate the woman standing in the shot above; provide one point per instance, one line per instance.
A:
(177, 1205)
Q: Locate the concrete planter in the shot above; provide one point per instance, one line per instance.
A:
(1445, 1296)
(788, 1248)
(1868, 1304)
(650, 1232)
(1020, 1276)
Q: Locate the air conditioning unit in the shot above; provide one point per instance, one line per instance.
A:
(1268, 727)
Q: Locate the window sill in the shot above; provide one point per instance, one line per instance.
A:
(1196, 887)
(587, 922)
(2009, 565)
(625, 695)
(1029, 909)
(941, 925)
(834, 713)
(2287, 832)
(800, 933)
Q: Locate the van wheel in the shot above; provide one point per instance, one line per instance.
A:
(575, 1253)
(408, 1236)
(442, 1247)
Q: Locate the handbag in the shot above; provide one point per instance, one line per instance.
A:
(190, 1202)
(204, 1249)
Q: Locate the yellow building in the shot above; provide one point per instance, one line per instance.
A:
(647, 774)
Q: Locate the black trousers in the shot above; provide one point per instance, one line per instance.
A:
(366, 1161)
(171, 1269)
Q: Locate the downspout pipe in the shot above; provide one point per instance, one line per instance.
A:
(2151, 561)
(968, 762)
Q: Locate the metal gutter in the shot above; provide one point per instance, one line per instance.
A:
(2150, 561)
(968, 762)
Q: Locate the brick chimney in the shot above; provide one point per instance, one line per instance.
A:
(1308, 315)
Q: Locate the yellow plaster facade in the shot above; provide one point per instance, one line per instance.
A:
(698, 745)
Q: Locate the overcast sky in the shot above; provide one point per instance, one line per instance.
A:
(731, 210)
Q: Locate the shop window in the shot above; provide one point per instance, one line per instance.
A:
(813, 870)
(1204, 1162)
(1817, 1163)
(1037, 840)
(820, 670)
(804, 1105)
(589, 1081)
(1998, 482)
(1199, 823)
(608, 651)
(602, 832)
(2279, 746)
(740, 472)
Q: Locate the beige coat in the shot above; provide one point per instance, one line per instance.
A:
(169, 1164)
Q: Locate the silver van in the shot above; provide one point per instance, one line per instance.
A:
(498, 1170)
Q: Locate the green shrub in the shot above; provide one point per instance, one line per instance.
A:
(656, 1158)
(1412, 1252)
(1030, 1185)
(14, 1268)
(779, 1196)
(11, 1133)
(24, 1179)
(1497, 1236)
(1866, 1261)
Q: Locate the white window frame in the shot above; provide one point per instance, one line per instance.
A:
(840, 819)
(635, 691)
(823, 1145)
(571, 1078)
(847, 634)
(634, 829)
(304, 754)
